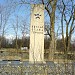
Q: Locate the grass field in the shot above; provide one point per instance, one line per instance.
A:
(13, 54)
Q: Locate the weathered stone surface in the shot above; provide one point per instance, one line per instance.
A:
(36, 53)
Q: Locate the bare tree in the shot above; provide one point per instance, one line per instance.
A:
(24, 30)
(16, 27)
(69, 23)
(4, 16)
(67, 11)
(50, 6)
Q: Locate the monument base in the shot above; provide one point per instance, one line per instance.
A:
(37, 62)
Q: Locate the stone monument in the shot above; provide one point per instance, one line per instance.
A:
(36, 53)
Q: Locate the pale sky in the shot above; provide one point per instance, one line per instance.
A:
(23, 12)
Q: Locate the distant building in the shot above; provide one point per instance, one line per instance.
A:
(24, 48)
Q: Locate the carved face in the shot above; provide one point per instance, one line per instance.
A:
(37, 16)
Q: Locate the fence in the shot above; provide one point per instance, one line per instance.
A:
(49, 68)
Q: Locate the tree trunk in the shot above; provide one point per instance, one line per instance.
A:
(0, 43)
(52, 38)
(16, 43)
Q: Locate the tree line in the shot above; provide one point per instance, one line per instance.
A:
(11, 43)
(25, 42)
